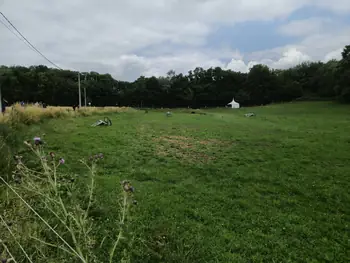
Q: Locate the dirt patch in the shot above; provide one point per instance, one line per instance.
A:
(180, 141)
(212, 142)
(186, 149)
(188, 142)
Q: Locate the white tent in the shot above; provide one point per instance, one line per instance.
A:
(234, 105)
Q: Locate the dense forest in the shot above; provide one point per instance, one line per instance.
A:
(199, 88)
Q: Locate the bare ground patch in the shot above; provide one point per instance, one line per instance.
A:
(185, 148)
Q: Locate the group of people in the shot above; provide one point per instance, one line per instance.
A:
(4, 104)
(39, 104)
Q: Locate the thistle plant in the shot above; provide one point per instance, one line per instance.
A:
(62, 222)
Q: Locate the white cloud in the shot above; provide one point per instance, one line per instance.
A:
(129, 38)
(335, 54)
(290, 58)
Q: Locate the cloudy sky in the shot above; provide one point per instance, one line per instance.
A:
(129, 38)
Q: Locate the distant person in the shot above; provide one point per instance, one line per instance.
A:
(3, 107)
(44, 105)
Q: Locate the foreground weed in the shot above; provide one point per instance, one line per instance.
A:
(61, 221)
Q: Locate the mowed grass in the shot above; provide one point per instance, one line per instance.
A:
(222, 187)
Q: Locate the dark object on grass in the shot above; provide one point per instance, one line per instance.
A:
(127, 186)
(105, 122)
(146, 111)
(251, 114)
(200, 113)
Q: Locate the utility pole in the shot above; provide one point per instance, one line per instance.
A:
(79, 89)
(85, 90)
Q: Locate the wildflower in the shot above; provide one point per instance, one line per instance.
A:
(3, 260)
(52, 154)
(37, 141)
(61, 161)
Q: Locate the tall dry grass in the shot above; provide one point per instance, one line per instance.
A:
(29, 114)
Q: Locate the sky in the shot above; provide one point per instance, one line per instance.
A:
(129, 38)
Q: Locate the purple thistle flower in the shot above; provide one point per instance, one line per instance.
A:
(37, 140)
(61, 161)
(3, 260)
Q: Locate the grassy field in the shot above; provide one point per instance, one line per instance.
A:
(220, 187)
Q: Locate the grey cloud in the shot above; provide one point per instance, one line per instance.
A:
(129, 38)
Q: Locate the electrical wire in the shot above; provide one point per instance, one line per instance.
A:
(26, 40)
(9, 28)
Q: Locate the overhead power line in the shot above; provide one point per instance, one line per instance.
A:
(26, 40)
(16, 35)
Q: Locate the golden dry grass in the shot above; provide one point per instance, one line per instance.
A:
(34, 114)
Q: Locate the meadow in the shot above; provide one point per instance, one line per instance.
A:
(209, 187)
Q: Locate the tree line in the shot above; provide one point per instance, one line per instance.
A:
(198, 88)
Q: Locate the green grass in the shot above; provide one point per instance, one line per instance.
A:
(221, 187)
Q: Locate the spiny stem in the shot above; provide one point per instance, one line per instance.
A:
(8, 251)
(8, 228)
(52, 245)
(44, 221)
(121, 229)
